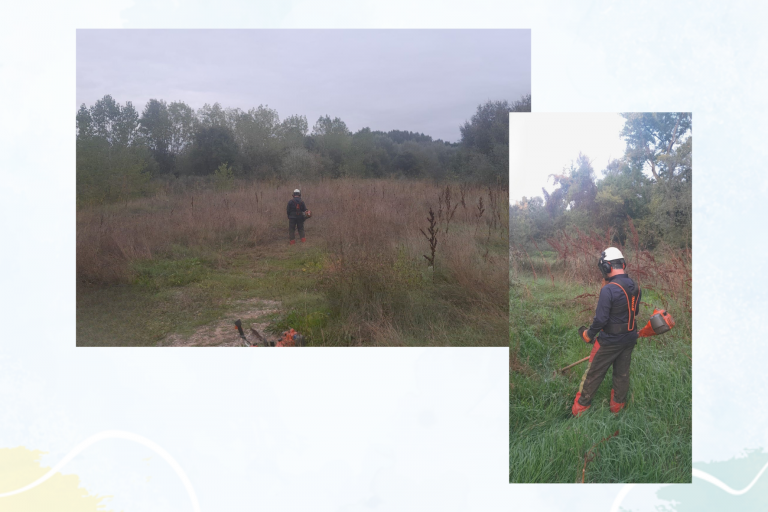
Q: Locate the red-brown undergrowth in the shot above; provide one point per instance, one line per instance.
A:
(665, 271)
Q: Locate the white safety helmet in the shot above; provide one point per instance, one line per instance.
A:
(612, 253)
(609, 255)
(297, 192)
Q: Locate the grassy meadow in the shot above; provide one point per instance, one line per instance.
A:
(178, 267)
(552, 292)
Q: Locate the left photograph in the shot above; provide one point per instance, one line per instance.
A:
(285, 188)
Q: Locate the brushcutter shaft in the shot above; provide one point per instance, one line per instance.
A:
(573, 364)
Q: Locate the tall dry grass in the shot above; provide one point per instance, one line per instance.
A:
(370, 229)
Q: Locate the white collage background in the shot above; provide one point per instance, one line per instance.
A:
(370, 429)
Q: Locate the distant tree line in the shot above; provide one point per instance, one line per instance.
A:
(121, 153)
(659, 205)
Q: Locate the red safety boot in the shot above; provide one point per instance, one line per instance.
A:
(615, 406)
(293, 242)
(577, 408)
(303, 240)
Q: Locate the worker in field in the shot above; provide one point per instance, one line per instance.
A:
(613, 333)
(296, 216)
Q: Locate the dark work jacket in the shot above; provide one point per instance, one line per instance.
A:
(612, 308)
(295, 208)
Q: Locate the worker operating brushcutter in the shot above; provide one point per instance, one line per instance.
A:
(297, 213)
(613, 333)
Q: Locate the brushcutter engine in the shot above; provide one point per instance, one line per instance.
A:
(291, 338)
(661, 321)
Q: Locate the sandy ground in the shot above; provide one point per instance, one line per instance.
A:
(223, 333)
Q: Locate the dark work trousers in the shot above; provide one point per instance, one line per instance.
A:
(603, 356)
(292, 225)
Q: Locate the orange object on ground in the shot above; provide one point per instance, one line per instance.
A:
(303, 240)
(615, 406)
(287, 339)
(663, 318)
(577, 408)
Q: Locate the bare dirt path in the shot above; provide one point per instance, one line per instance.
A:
(223, 333)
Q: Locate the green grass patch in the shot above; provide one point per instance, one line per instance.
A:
(197, 287)
(396, 301)
(311, 322)
(546, 444)
(163, 273)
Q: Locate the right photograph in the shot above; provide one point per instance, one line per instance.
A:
(600, 346)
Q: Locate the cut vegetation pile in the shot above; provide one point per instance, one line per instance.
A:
(153, 268)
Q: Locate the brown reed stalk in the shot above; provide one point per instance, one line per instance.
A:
(449, 211)
(432, 238)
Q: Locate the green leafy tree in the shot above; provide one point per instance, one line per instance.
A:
(224, 177)
(298, 163)
(183, 124)
(107, 173)
(671, 206)
(652, 137)
(107, 119)
(411, 160)
(333, 140)
(576, 192)
(105, 115)
(157, 132)
(372, 153)
(293, 130)
(659, 206)
(400, 136)
(127, 127)
(487, 134)
(624, 192)
(257, 133)
(529, 220)
(212, 115)
(111, 162)
(85, 128)
(213, 146)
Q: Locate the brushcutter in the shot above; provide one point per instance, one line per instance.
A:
(289, 338)
(661, 321)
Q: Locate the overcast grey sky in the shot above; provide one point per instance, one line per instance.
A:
(428, 81)
(544, 143)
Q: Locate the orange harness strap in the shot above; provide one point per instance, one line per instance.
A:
(630, 308)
